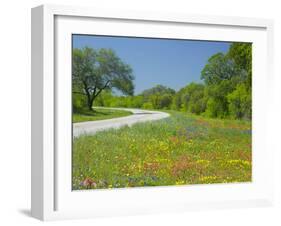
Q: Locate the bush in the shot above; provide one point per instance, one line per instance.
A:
(215, 109)
(240, 102)
(78, 102)
(191, 98)
(147, 105)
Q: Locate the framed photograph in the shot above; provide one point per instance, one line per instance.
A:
(137, 112)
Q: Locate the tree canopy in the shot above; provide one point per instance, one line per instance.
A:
(221, 67)
(158, 97)
(241, 53)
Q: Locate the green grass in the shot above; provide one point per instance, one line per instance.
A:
(83, 115)
(181, 149)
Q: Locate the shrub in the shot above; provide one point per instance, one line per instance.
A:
(240, 102)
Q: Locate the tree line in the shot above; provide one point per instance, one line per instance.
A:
(225, 90)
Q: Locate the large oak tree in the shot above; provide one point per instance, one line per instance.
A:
(97, 70)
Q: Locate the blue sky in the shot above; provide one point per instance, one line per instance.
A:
(173, 63)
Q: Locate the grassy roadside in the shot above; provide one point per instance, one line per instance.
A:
(98, 114)
(181, 149)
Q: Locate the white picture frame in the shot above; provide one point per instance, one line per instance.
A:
(52, 197)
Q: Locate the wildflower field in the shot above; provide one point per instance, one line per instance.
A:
(181, 149)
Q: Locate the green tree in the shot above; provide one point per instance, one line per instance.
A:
(219, 68)
(165, 101)
(240, 102)
(241, 53)
(222, 74)
(192, 98)
(158, 89)
(147, 105)
(136, 101)
(177, 100)
(98, 70)
(160, 97)
(217, 104)
(155, 99)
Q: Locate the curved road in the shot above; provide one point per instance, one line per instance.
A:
(139, 115)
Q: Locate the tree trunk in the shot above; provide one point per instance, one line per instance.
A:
(92, 97)
(89, 105)
(90, 102)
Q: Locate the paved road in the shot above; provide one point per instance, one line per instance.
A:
(139, 115)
